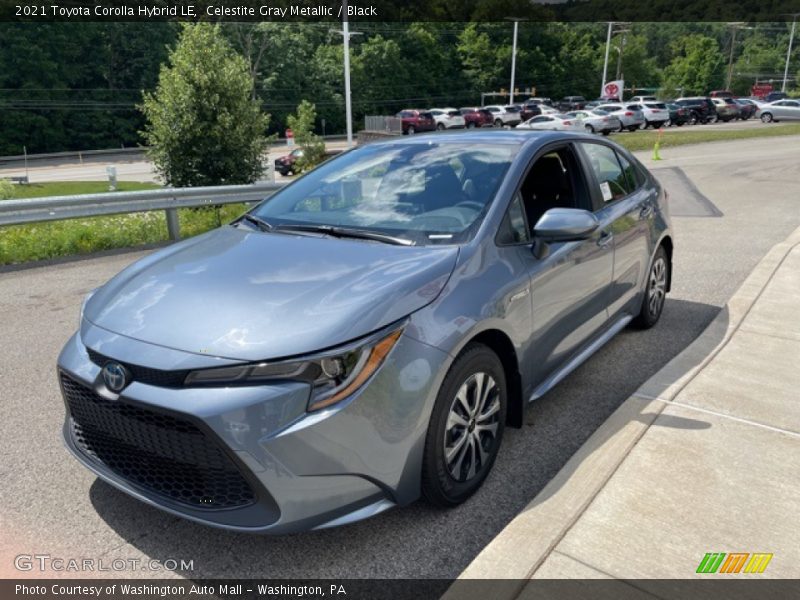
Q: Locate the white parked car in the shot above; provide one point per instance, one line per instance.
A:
(779, 110)
(552, 123)
(505, 115)
(630, 115)
(549, 110)
(448, 118)
(655, 114)
(596, 121)
(640, 99)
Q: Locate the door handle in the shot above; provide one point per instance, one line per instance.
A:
(605, 239)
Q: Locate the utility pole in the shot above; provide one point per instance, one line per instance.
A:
(621, 52)
(348, 107)
(789, 51)
(734, 28)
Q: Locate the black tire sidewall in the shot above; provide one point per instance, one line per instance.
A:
(646, 319)
(438, 486)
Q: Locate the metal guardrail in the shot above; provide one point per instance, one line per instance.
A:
(55, 208)
(383, 124)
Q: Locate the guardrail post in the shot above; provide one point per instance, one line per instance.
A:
(173, 227)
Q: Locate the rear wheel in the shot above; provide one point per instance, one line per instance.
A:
(655, 292)
(440, 126)
(589, 129)
(471, 125)
(498, 123)
(693, 119)
(411, 130)
(466, 427)
(633, 128)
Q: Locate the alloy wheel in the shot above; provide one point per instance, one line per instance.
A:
(470, 434)
(657, 289)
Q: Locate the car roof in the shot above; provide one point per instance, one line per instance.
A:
(499, 136)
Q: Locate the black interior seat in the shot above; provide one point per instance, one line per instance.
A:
(546, 186)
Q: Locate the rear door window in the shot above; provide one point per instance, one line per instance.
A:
(613, 181)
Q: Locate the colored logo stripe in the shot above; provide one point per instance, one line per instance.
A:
(735, 561)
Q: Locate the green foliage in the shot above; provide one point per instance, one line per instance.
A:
(6, 189)
(697, 68)
(302, 126)
(203, 125)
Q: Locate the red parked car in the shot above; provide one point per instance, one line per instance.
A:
(477, 117)
(415, 121)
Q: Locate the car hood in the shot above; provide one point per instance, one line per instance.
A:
(249, 296)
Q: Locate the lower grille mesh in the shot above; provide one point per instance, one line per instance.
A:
(162, 453)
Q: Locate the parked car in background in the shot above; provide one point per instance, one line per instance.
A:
(530, 109)
(505, 115)
(549, 110)
(416, 121)
(592, 104)
(701, 109)
(448, 118)
(630, 115)
(552, 123)
(655, 114)
(727, 109)
(476, 117)
(596, 121)
(569, 103)
(788, 110)
(640, 99)
(285, 165)
(773, 96)
(539, 100)
(678, 115)
(721, 94)
(747, 108)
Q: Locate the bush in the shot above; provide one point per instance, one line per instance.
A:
(6, 189)
(302, 126)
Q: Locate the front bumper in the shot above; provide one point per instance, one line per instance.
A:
(250, 458)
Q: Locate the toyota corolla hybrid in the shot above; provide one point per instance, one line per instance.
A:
(363, 337)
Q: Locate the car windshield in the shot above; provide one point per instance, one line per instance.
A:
(425, 192)
(600, 113)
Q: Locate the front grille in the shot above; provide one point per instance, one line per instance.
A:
(164, 454)
(143, 374)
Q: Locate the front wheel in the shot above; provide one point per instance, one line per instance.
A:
(766, 118)
(471, 125)
(466, 427)
(655, 292)
(411, 130)
(589, 129)
(440, 127)
(498, 123)
(633, 128)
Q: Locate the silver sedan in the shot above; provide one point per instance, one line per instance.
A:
(779, 110)
(596, 121)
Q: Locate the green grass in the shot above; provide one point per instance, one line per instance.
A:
(644, 140)
(39, 241)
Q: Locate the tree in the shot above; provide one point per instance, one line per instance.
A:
(203, 126)
(302, 126)
(697, 67)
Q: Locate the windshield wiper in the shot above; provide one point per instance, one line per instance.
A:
(257, 221)
(344, 232)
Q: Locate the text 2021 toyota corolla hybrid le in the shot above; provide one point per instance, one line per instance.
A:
(363, 337)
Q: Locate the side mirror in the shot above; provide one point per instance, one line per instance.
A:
(565, 225)
(562, 225)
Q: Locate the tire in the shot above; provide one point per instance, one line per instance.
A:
(411, 130)
(621, 127)
(644, 125)
(498, 123)
(605, 132)
(668, 123)
(449, 483)
(767, 118)
(713, 119)
(589, 129)
(693, 119)
(633, 128)
(655, 291)
(471, 125)
(440, 127)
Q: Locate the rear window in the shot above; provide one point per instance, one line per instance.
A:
(613, 180)
(453, 113)
(656, 105)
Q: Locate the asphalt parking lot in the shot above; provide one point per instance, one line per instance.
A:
(54, 506)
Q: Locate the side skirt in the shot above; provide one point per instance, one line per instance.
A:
(580, 358)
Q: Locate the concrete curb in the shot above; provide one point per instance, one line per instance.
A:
(519, 549)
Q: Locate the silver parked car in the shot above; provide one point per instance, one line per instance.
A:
(630, 116)
(779, 110)
(363, 337)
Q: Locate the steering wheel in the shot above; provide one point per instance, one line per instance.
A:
(471, 204)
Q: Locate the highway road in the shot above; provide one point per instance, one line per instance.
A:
(731, 202)
(137, 168)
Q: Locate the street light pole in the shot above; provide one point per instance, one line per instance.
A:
(789, 51)
(605, 62)
(348, 107)
(734, 28)
(513, 57)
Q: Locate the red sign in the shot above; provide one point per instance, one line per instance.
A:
(760, 90)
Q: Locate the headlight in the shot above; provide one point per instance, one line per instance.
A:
(333, 377)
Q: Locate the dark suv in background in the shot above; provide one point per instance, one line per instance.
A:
(701, 109)
(570, 103)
